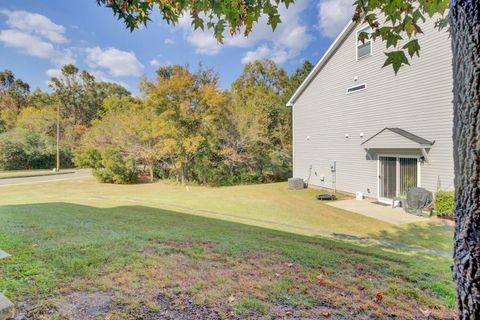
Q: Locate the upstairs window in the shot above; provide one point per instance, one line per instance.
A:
(364, 49)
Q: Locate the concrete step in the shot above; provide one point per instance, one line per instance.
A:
(7, 310)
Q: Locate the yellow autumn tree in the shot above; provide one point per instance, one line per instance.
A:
(189, 106)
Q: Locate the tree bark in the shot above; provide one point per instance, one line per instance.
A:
(465, 32)
(150, 170)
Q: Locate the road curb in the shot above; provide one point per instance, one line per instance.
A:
(7, 309)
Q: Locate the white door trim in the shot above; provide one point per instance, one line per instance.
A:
(397, 156)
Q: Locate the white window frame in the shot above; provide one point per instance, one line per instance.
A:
(397, 156)
(367, 29)
(357, 85)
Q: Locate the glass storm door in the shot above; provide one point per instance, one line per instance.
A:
(397, 175)
(388, 177)
(408, 175)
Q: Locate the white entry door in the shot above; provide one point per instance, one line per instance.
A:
(397, 175)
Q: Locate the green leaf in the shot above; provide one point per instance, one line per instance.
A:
(197, 23)
(413, 47)
(363, 36)
(397, 59)
(392, 39)
(274, 21)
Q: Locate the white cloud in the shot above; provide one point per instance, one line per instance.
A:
(36, 24)
(35, 35)
(278, 56)
(36, 47)
(118, 63)
(204, 41)
(169, 41)
(54, 73)
(65, 56)
(155, 63)
(27, 43)
(260, 53)
(333, 15)
(288, 40)
(281, 56)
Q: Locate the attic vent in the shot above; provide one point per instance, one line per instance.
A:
(360, 87)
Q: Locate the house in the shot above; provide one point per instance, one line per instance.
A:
(359, 128)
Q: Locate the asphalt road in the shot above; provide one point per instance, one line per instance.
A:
(58, 177)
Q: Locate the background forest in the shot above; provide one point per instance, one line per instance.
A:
(182, 127)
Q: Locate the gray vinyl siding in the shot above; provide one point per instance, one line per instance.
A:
(418, 100)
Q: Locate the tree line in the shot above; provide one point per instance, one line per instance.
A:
(183, 126)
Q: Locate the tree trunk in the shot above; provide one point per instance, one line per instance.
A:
(182, 172)
(150, 170)
(465, 29)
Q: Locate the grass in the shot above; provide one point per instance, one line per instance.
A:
(271, 206)
(30, 173)
(139, 245)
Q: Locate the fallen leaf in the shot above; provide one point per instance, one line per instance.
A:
(379, 296)
(231, 299)
(425, 312)
(320, 280)
(325, 313)
(141, 250)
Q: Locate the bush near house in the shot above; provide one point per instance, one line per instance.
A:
(444, 203)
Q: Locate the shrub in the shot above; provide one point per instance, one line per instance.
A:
(114, 168)
(87, 158)
(22, 149)
(445, 202)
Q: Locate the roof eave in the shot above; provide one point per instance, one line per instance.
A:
(321, 62)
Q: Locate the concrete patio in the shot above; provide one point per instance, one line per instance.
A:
(377, 211)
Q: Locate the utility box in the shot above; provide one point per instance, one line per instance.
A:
(296, 184)
(333, 166)
(359, 196)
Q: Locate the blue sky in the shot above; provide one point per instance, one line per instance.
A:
(38, 37)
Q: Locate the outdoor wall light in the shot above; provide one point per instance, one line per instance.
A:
(355, 78)
(347, 135)
(308, 138)
(361, 134)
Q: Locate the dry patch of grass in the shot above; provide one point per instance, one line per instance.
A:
(197, 280)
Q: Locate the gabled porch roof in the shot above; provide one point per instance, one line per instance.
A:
(396, 138)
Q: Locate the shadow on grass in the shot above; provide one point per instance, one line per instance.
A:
(57, 242)
(427, 235)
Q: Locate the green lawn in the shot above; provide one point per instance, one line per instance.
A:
(132, 252)
(30, 173)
